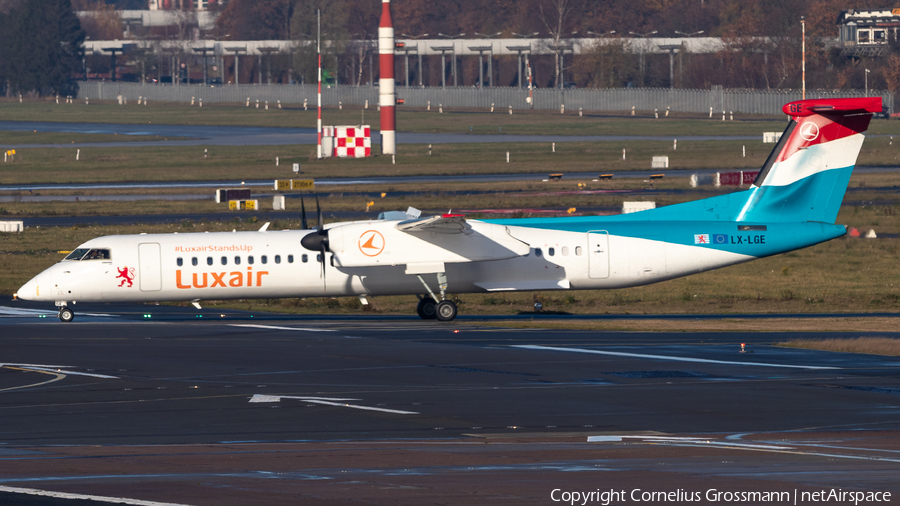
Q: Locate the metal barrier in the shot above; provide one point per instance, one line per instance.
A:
(717, 100)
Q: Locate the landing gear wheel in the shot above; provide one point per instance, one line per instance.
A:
(446, 311)
(66, 315)
(426, 308)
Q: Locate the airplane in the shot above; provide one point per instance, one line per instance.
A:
(792, 204)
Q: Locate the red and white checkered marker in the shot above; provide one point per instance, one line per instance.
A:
(352, 141)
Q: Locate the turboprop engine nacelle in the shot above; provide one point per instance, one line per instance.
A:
(440, 239)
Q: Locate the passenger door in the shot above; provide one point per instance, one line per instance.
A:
(598, 254)
(150, 267)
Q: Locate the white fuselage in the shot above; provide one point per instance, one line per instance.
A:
(272, 264)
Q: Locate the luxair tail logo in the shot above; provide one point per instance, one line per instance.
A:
(127, 276)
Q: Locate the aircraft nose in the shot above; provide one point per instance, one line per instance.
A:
(32, 289)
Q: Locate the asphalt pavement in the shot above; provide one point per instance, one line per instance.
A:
(227, 407)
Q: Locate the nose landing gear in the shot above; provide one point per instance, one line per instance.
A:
(66, 315)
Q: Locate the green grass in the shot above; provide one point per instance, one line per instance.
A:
(480, 121)
(177, 163)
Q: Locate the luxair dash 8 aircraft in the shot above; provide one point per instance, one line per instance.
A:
(792, 204)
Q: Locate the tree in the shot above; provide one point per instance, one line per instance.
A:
(257, 19)
(42, 47)
(605, 64)
(100, 20)
(334, 16)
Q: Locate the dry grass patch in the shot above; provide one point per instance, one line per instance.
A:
(704, 325)
(868, 345)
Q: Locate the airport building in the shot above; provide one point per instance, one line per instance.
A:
(868, 30)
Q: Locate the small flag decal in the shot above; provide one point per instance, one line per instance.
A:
(701, 238)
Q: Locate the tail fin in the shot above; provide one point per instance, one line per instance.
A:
(806, 175)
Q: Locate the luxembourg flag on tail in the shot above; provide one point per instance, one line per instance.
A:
(806, 175)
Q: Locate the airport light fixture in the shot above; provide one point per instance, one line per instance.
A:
(689, 34)
(453, 50)
(525, 35)
(204, 51)
(237, 50)
(519, 50)
(600, 34)
(416, 38)
(867, 82)
(490, 50)
(643, 36)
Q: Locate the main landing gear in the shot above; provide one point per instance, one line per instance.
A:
(429, 309)
(66, 315)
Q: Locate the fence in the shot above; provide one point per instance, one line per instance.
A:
(615, 99)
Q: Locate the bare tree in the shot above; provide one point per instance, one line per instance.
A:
(555, 15)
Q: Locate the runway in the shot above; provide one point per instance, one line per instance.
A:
(176, 405)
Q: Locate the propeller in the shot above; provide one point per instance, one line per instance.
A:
(317, 241)
(303, 223)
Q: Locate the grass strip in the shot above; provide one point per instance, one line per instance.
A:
(867, 345)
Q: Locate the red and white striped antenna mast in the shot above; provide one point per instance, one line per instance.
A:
(387, 99)
(319, 97)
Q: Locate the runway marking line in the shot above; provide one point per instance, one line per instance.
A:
(54, 369)
(328, 402)
(64, 495)
(668, 357)
(58, 377)
(15, 312)
(275, 327)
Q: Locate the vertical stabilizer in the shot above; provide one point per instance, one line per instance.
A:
(805, 177)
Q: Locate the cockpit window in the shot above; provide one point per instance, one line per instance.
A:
(77, 254)
(97, 254)
(89, 254)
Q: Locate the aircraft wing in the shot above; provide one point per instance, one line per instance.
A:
(444, 224)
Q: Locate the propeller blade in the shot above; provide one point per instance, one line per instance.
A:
(303, 223)
(324, 285)
(320, 225)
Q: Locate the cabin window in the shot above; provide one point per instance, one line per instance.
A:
(224, 260)
(551, 251)
(290, 259)
(565, 251)
(304, 258)
(318, 257)
(277, 259)
(237, 260)
(538, 252)
(578, 251)
(250, 259)
(194, 261)
(179, 261)
(264, 259)
(209, 261)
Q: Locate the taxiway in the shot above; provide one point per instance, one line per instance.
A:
(182, 406)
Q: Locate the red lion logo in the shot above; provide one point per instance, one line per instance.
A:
(127, 275)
